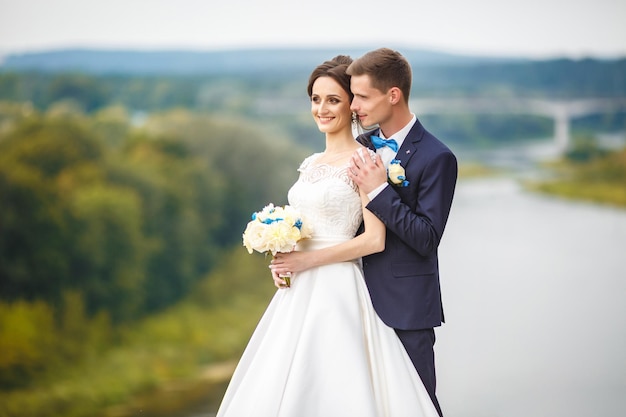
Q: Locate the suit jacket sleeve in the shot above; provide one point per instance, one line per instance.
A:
(417, 214)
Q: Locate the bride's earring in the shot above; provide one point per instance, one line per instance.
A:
(357, 129)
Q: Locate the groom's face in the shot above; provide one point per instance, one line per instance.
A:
(370, 104)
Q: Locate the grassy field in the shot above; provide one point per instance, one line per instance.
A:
(601, 179)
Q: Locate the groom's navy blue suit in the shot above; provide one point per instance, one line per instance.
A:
(403, 280)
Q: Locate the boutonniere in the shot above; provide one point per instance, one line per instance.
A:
(396, 174)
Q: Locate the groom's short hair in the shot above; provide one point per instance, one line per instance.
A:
(386, 68)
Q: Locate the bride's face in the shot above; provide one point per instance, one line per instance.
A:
(330, 105)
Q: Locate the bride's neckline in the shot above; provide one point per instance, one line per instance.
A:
(333, 159)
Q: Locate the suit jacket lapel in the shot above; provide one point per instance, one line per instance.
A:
(410, 144)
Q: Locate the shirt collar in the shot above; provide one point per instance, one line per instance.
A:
(401, 134)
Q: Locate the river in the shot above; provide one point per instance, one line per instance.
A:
(535, 298)
(534, 292)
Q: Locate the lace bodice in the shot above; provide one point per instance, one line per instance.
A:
(328, 199)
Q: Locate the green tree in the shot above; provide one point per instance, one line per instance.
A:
(33, 234)
(27, 336)
(34, 223)
(85, 90)
(109, 258)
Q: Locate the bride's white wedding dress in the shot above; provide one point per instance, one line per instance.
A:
(320, 350)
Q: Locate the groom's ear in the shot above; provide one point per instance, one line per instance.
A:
(395, 95)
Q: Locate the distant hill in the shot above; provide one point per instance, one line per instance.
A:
(210, 62)
(193, 77)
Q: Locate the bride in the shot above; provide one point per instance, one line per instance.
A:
(320, 350)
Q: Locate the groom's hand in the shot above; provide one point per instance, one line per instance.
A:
(367, 172)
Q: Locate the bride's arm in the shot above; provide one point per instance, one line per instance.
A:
(372, 240)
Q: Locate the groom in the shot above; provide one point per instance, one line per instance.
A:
(403, 280)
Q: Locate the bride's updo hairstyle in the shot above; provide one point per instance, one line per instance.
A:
(335, 69)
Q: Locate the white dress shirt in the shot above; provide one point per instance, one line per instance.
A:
(387, 154)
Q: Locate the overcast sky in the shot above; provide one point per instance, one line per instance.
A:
(531, 28)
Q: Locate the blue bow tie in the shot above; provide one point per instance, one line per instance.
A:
(380, 142)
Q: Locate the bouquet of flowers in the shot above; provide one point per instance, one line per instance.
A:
(275, 229)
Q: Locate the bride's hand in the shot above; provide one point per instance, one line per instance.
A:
(279, 282)
(285, 263)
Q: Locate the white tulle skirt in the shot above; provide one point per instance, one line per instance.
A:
(320, 350)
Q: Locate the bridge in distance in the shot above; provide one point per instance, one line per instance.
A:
(561, 111)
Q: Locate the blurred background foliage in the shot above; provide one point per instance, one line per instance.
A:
(123, 199)
(104, 224)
